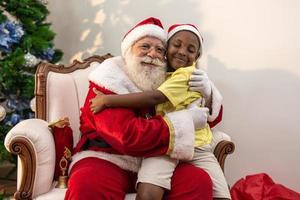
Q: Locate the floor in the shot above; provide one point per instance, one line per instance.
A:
(8, 183)
(7, 189)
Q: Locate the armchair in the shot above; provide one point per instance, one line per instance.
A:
(60, 91)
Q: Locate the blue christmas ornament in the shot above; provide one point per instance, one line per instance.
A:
(10, 33)
(12, 104)
(4, 38)
(48, 54)
(4, 43)
(15, 31)
(18, 104)
(14, 119)
(23, 104)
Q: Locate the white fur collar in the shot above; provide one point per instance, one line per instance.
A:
(110, 75)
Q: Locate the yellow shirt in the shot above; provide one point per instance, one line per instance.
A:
(176, 89)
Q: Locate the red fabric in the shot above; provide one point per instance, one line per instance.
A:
(93, 178)
(261, 187)
(148, 21)
(63, 138)
(218, 118)
(126, 130)
(190, 183)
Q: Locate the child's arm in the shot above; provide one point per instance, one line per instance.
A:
(133, 100)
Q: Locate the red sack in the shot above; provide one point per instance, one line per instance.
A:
(63, 139)
(261, 187)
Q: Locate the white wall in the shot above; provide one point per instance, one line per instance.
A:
(252, 55)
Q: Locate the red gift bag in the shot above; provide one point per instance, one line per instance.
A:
(63, 139)
(261, 187)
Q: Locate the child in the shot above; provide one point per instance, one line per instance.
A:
(183, 49)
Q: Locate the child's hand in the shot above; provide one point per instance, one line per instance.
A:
(98, 102)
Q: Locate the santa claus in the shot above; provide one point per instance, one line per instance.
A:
(113, 141)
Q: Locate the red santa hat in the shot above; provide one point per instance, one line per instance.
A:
(148, 27)
(185, 27)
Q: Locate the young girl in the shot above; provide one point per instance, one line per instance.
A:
(183, 49)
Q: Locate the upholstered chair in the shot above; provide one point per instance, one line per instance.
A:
(60, 91)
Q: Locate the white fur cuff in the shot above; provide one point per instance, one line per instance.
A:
(182, 134)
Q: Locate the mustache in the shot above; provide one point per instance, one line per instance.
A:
(153, 61)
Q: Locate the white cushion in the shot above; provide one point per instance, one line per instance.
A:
(65, 95)
(218, 136)
(53, 194)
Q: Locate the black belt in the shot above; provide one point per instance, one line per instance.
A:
(96, 143)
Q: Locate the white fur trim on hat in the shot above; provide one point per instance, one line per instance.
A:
(186, 27)
(142, 31)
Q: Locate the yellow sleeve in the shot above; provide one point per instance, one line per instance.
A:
(172, 136)
(176, 87)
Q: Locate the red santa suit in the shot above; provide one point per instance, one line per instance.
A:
(124, 135)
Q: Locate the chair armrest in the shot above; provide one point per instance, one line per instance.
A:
(222, 146)
(33, 142)
(221, 151)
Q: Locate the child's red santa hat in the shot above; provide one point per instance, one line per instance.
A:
(148, 27)
(185, 27)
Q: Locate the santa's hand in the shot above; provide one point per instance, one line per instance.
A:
(200, 82)
(199, 115)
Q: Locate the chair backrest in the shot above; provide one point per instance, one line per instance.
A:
(60, 90)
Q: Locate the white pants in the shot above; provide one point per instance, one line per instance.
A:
(159, 170)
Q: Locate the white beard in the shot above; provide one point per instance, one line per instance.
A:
(145, 78)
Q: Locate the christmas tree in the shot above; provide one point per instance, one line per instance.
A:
(25, 40)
